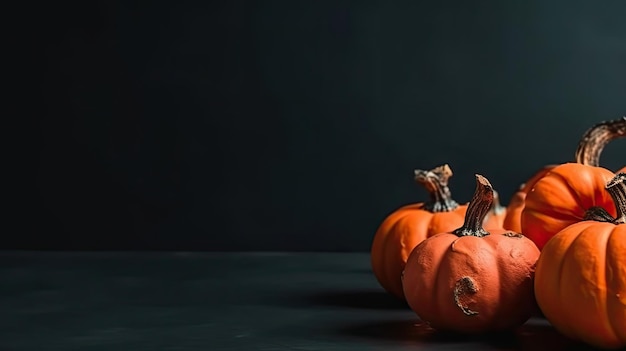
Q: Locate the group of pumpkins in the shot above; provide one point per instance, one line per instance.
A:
(478, 267)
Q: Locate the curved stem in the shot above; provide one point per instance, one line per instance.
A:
(477, 209)
(617, 188)
(436, 183)
(596, 138)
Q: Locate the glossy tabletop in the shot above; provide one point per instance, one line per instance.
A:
(219, 301)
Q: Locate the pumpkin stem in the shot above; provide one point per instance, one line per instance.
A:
(598, 214)
(596, 138)
(617, 188)
(477, 209)
(436, 183)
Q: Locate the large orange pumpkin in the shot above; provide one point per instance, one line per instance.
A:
(580, 279)
(406, 227)
(588, 152)
(564, 196)
(471, 280)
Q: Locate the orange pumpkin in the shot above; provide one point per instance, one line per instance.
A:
(471, 280)
(403, 229)
(588, 152)
(512, 219)
(580, 279)
(564, 196)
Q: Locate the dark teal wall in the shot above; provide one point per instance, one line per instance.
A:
(296, 125)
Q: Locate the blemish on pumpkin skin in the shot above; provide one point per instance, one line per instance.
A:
(452, 246)
(464, 287)
(513, 235)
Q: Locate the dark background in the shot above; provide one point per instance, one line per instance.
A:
(295, 125)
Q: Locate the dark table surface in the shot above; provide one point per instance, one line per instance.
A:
(226, 301)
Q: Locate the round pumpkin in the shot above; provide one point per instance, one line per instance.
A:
(406, 227)
(471, 280)
(588, 153)
(580, 279)
(564, 196)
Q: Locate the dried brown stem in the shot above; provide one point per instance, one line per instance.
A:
(617, 188)
(436, 183)
(477, 209)
(596, 138)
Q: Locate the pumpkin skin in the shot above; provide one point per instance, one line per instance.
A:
(513, 218)
(409, 225)
(588, 152)
(470, 280)
(399, 233)
(563, 197)
(580, 280)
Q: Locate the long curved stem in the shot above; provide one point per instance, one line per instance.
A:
(436, 183)
(596, 138)
(477, 209)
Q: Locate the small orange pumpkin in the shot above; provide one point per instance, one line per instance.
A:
(406, 227)
(470, 280)
(580, 279)
(564, 196)
(588, 153)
